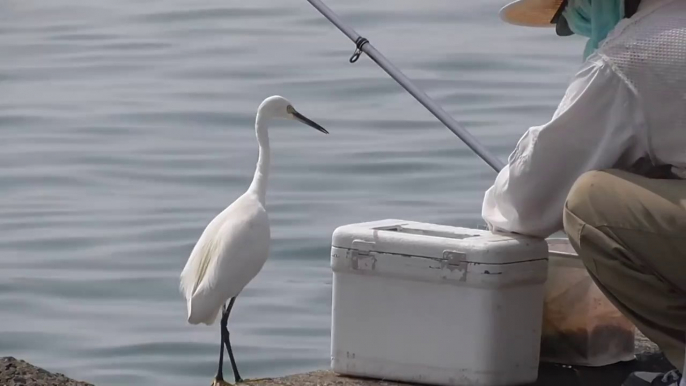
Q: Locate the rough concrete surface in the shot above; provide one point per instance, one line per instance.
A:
(549, 375)
(647, 359)
(15, 372)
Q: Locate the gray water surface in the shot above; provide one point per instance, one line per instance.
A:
(125, 126)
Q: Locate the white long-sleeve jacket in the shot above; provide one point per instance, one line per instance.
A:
(628, 101)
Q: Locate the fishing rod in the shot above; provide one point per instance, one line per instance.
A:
(363, 45)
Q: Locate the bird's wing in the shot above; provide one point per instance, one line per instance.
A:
(201, 256)
(228, 255)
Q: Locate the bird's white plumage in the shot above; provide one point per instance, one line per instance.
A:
(230, 252)
(235, 244)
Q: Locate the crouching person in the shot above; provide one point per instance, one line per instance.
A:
(608, 167)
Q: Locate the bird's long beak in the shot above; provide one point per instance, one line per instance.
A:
(307, 121)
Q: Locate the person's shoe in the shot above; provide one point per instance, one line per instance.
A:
(671, 378)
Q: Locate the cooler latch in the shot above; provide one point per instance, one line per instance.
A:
(455, 257)
(363, 247)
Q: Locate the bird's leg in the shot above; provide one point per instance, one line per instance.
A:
(227, 341)
(219, 378)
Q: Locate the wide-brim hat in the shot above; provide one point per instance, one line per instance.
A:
(531, 13)
(537, 13)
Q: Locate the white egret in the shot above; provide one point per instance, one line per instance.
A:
(235, 244)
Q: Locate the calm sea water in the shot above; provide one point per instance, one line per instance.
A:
(125, 126)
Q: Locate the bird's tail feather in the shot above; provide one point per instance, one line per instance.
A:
(203, 307)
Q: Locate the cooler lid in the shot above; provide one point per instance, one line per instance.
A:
(439, 242)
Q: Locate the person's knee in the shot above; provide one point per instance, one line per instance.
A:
(591, 202)
(597, 197)
(582, 197)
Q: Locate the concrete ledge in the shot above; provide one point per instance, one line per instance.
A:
(549, 375)
(15, 372)
(648, 358)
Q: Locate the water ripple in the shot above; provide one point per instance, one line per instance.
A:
(127, 125)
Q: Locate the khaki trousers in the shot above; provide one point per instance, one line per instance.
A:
(630, 232)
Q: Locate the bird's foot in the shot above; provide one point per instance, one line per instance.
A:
(220, 382)
(239, 380)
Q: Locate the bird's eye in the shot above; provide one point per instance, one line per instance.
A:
(290, 109)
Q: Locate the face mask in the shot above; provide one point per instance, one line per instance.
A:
(593, 19)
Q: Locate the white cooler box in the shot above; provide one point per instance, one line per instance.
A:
(434, 304)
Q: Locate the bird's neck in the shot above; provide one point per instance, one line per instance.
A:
(259, 181)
